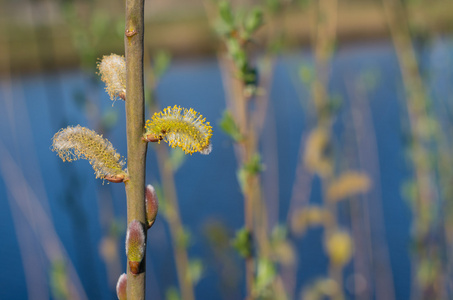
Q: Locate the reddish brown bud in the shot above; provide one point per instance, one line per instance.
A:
(115, 178)
(122, 95)
(130, 33)
(152, 204)
(135, 267)
(152, 138)
(121, 287)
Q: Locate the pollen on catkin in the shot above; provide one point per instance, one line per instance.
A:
(112, 69)
(78, 142)
(180, 127)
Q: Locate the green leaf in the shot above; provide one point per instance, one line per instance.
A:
(163, 205)
(226, 13)
(306, 74)
(242, 178)
(237, 53)
(265, 274)
(229, 126)
(183, 239)
(196, 269)
(250, 168)
(109, 119)
(59, 280)
(279, 233)
(177, 158)
(172, 293)
(243, 242)
(254, 165)
(253, 21)
(162, 60)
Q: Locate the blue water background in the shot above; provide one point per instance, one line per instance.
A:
(207, 185)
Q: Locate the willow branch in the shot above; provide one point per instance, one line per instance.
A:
(135, 122)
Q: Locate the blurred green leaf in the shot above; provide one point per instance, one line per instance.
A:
(243, 242)
(242, 178)
(109, 119)
(306, 74)
(177, 158)
(254, 165)
(250, 168)
(226, 13)
(250, 76)
(277, 44)
(369, 79)
(237, 53)
(120, 24)
(279, 233)
(172, 293)
(100, 24)
(59, 280)
(196, 269)
(273, 5)
(265, 274)
(117, 227)
(304, 3)
(253, 21)
(228, 125)
(183, 238)
(163, 205)
(162, 60)
(217, 234)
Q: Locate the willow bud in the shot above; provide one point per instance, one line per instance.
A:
(135, 245)
(121, 287)
(152, 204)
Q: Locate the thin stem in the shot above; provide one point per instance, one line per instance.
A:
(426, 202)
(246, 150)
(324, 36)
(135, 122)
(374, 240)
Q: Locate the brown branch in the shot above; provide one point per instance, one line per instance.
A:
(135, 122)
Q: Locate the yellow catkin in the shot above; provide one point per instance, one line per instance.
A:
(112, 69)
(315, 157)
(339, 247)
(347, 185)
(180, 127)
(78, 142)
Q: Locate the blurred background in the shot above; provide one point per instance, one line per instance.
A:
(331, 162)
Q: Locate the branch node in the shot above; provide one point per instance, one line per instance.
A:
(130, 33)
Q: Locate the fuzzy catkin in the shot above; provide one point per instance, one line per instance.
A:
(112, 69)
(181, 127)
(78, 142)
(135, 241)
